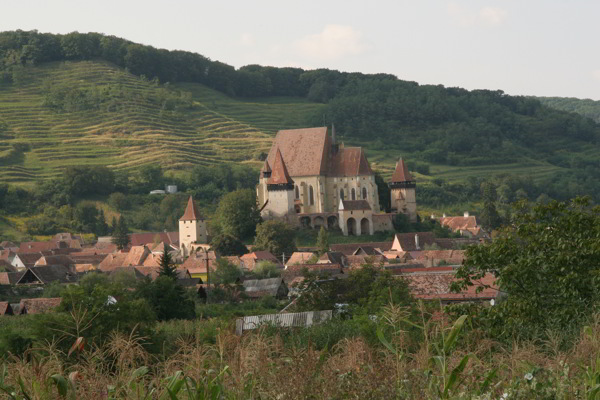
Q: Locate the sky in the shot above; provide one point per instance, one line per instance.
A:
(523, 47)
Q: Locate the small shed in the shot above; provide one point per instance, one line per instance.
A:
(274, 287)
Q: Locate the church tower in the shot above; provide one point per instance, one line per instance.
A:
(280, 188)
(192, 229)
(402, 192)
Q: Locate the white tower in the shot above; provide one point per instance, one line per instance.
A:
(192, 228)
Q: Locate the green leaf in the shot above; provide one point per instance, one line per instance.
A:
(486, 383)
(455, 374)
(453, 335)
(141, 371)
(385, 342)
(61, 384)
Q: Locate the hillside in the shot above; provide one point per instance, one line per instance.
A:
(586, 107)
(93, 113)
(92, 99)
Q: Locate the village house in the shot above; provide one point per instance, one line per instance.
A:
(466, 225)
(310, 180)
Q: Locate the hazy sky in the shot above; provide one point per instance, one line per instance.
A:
(530, 47)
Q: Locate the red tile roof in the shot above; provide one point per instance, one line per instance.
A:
(401, 173)
(140, 239)
(266, 167)
(38, 306)
(251, 259)
(349, 248)
(436, 285)
(299, 257)
(279, 175)
(293, 271)
(355, 205)
(349, 161)
(5, 308)
(191, 212)
(305, 150)
(29, 259)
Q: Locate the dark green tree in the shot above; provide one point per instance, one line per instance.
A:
(489, 216)
(121, 234)
(323, 241)
(383, 192)
(276, 237)
(547, 263)
(225, 273)
(237, 214)
(167, 265)
(167, 298)
(227, 245)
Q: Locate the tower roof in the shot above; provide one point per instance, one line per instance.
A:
(279, 175)
(191, 212)
(401, 173)
(266, 167)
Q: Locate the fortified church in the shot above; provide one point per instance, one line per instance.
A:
(310, 179)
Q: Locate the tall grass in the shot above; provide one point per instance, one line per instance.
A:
(265, 365)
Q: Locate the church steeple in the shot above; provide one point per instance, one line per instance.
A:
(279, 179)
(191, 212)
(401, 177)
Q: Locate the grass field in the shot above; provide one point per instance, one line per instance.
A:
(138, 131)
(134, 128)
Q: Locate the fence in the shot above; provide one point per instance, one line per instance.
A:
(286, 320)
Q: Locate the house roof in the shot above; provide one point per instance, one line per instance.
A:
(60, 259)
(196, 263)
(332, 257)
(136, 256)
(29, 259)
(401, 173)
(48, 273)
(5, 308)
(112, 261)
(461, 224)
(407, 241)
(8, 245)
(191, 212)
(448, 255)
(10, 278)
(293, 271)
(279, 175)
(436, 285)
(305, 151)
(262, 287)
(39, 305)
(348, 248)
(153, 260)
(367, 250)
(354, 205)
(87, 258)
(349, 161)
(6, 266)
(299, 257)
(140, 239)
(358, 261)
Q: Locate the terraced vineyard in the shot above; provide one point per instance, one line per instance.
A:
(134, 127)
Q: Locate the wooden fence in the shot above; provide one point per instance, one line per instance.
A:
(286, 320)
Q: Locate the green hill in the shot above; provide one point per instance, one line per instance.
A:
(586, 107)
(91, 99)
(110, 117)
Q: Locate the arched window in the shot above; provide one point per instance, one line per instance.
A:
(364, 193)
(353, 194)
(342, 194)
(311, 195)
(297, 192)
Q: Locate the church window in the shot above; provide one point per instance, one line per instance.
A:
(297, 192)
(342, 194)
(353, 194)
(364, 193)
(311, 195)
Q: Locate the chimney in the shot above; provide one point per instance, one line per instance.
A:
(466, 214)
(417, 241)
(444, 215)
